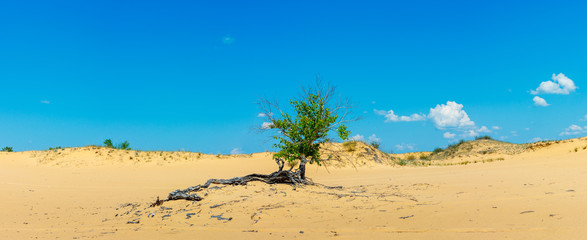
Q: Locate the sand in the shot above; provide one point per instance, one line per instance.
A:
(87, 193)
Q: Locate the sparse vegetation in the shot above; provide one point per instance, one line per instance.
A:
(374, 145)
(108, 143)
(7, 149)
(437, 150)
(350, 146)
(454, 145)
(55, 148)
(411, 157)
(483, 137)
(405, 162)
(123, 145)
(423, 157)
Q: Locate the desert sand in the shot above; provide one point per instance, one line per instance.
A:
(96, 192)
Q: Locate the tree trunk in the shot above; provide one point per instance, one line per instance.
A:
(303, 167)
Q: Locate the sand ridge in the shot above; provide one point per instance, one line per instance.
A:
(539, 194)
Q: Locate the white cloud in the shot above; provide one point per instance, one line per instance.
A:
(390, 116)
(470, 133)
(514, 133)
(450, 114)
(527, 129)
(574, 130)
(45, 102)
(357, 137)
(262, 115)
(483, 129)
(227, 40)
(560, 84)
(448, 135)
(536, 139)
(266, 125)
(495, 128)
(403, 146)
(236, 151)
(538, 101)
(584, 118)
(374, 138)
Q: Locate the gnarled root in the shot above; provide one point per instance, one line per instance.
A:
(284, 177)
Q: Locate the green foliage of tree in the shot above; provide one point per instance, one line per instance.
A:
(7, 149)
(301, 133)
(108, 143)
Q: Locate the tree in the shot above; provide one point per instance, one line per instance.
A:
(299, 134)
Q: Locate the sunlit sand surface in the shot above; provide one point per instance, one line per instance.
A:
(94, 192)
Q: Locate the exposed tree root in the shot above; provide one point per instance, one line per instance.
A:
(284, 177)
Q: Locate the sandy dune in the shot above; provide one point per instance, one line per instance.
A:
(90, 192)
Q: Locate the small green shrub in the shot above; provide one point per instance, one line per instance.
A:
(411, 157)
(483, 137)
(123, 145)
(375, 145)
(55, 148)
(423, 157)
(437, 150)
(7, 149)
(454, 145)
(108, 143)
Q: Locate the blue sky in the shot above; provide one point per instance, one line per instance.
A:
(187, 74)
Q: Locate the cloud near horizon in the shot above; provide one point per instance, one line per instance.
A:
(574, 130)
(444, 116)
(403, 146)
(374, 138)
(236, 151)
(357, 137)
(560, 84)
(390, 116)
(361, 138)
(450, 115)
